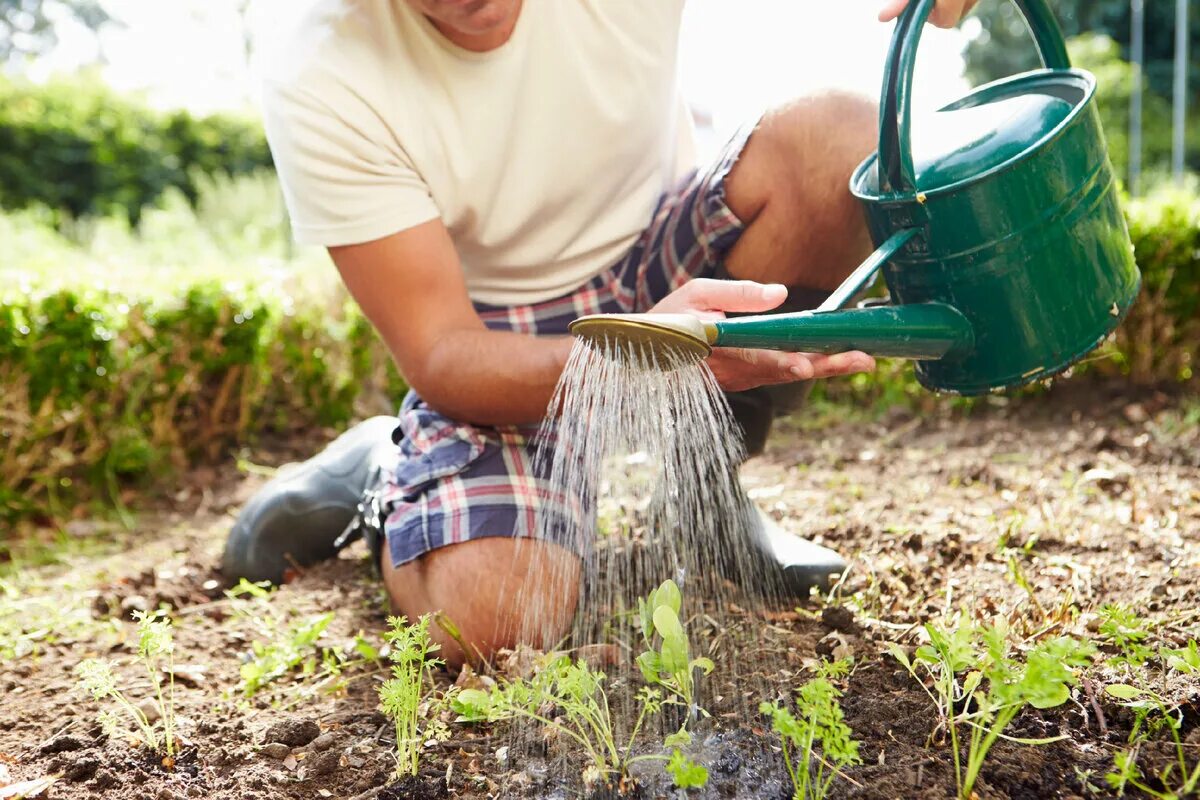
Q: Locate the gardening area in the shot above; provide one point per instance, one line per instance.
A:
(1020, 617)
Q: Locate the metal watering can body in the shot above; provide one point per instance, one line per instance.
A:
(1006, 256)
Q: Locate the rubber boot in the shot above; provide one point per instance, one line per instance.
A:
(297, 518)
(755, 409)
(794, 565)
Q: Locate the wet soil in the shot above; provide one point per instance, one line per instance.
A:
(1090, 496)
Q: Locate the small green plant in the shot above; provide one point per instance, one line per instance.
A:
(973, 667)
(570, 698)
(401, 695)
(156, 649)
(685, 773)
(669, 665)
(1122, 628)
(1154, 715)
(817, 745)
(288, 649)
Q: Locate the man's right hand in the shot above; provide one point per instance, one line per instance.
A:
(738, 369)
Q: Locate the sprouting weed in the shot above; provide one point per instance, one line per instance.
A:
(578, 694)
(1185, 660)
(1121, 627)
(669, 665)
(685, 773)
(400, 696)
(1152, 715)
(155, 644)
(155, 650)
(288, 649)
(817, 744)
(973, 667)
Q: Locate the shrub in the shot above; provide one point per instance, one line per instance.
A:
(96, 388)
(82, 150)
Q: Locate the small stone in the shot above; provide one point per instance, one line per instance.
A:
(324, 741)
(134, 602)
(324, 764)
(166, 794)
(275, 750)
(838, 618)
(82, 769)
(150, 709)
(294, 732)
(61, 744)
(105, 779)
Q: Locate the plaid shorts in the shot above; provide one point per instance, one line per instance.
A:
(455, 482)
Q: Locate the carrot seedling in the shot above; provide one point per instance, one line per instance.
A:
(400, 696)
(156, 649)
(817, 744)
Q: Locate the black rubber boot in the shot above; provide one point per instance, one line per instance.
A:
(299, 516)
(756, 409)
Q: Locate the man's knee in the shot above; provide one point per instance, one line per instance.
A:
(497, 592)
(820, 137)
(793, 178)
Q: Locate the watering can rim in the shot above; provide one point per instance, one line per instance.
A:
(996, 87)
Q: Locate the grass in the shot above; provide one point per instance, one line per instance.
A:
(236, 234)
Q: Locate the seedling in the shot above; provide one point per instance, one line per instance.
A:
(685, 773)
(400, 697)
(155, 645)
(972, 667)
(669, 665)
(818, 744)
(1152, 715)
(577, 696)
(1122, 628)
(286, 649)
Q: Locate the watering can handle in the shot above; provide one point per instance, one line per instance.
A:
(896, 173)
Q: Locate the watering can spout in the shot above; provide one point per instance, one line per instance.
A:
(921, 331)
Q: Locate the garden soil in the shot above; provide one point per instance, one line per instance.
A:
(1038, 510)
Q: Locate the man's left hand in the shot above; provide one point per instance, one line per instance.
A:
(946, 14)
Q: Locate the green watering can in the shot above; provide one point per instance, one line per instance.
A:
(1000, 237)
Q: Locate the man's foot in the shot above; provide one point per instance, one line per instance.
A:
(295, 519)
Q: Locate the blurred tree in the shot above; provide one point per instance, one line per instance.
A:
(1003, 46)
(1100, 44)
(27, 26)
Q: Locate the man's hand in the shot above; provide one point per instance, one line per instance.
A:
(946, 14)
(737, 369)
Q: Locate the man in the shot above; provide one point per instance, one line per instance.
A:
(483, 172)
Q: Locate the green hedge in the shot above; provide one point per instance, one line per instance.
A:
(98, 392)
(83, 150)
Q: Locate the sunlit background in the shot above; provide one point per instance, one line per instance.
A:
(737, 58)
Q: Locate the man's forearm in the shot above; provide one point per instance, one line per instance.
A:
(491, 377)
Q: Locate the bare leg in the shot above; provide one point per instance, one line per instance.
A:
(498, 591)
(790, 187)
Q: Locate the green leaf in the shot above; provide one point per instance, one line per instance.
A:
(704, 664)
(472, 705)
(898, 653)
(687, 774)
(668, 594)
(674, 651)
(1124, 691)
(651, 666)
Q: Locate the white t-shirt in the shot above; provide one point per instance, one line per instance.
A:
(544, 158)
